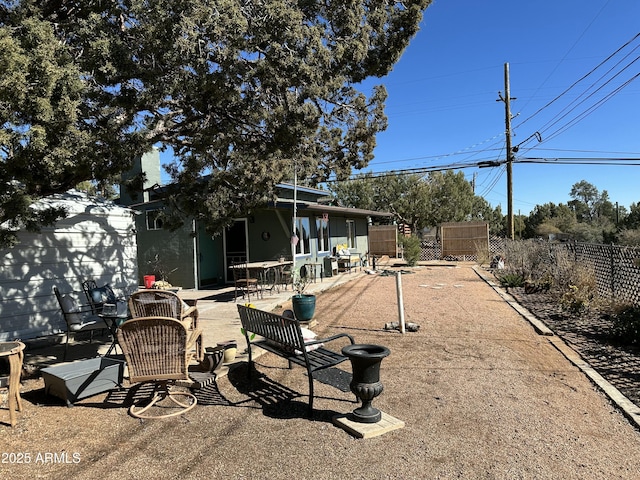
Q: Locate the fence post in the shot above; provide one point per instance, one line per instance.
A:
(613, 272)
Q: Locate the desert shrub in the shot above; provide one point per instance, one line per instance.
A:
(511, 280)
(626, 324)
(411, 249)
(546, 267)
(581, 293)
(533, 260)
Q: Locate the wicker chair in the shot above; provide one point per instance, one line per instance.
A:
(164, 303)
(159, 350)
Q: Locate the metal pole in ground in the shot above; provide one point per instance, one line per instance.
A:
(400, 302)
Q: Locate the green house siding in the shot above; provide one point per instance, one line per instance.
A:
(174, 252)
(194, 259)
(190, 257)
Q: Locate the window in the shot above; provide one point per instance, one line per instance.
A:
(303, 229)
(351, 234)
(322, 227)
(154, 219)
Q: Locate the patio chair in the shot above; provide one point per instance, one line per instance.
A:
(270, 280)
(98, 296)
(286, 276)
(78, 318)
(243, 282)
(159, 350)
(164, 303)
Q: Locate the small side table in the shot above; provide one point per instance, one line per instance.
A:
(15, 352)
(113, 319)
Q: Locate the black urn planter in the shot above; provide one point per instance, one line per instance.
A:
(366, 385)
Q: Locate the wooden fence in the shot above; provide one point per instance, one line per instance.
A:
(463, 238)
(383, 240)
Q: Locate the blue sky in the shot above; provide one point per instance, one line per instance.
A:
(442, 106)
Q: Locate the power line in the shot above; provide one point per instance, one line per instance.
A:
(628, 162)
(566, 54)
(591, 109)
(578, 81)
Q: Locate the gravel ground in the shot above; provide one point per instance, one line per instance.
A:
(589, 334)
(482, 396)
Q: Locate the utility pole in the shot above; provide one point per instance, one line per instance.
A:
(507, 120)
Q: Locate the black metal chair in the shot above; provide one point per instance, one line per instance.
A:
(98, 296)
(78, 317)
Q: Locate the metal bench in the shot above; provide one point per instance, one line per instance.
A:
(283, 337)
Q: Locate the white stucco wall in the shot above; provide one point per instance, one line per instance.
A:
(96, 240)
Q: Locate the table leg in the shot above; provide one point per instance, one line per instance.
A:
(15, 370)
(112, 323)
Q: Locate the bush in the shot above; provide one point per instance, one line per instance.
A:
(511, 280)
(626, 325)
(411, 249)
(581, 293)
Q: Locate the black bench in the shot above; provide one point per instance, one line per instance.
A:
(283, 336)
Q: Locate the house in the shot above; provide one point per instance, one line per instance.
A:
(96, 240)
(192, 258)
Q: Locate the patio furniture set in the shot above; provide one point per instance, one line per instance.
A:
(254, 278)
(158, 334)
(160, 338)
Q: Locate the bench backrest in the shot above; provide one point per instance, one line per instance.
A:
(283, 330)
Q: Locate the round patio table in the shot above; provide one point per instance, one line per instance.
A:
(15, 352)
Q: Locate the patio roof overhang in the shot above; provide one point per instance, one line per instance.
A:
(317, 207)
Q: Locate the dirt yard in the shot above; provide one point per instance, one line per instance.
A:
(481, 394)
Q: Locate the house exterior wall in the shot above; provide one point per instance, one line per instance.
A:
(163, 252)
(96, 240)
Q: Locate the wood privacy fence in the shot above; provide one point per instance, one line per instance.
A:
(616, 267)
(463, 238)
(383, 240)
(432, 250)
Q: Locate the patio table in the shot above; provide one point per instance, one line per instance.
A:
(263, 267)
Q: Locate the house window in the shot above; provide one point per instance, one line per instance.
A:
(351, 234)
(303, 230)
(154, 220)
(322, 227)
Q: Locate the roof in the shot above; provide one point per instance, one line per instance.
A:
(317, 207)
(76, 202)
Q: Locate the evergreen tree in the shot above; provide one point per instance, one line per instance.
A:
(241, 92)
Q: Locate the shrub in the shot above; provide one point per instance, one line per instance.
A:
(581, 293)
(511, 280)
(411, 249)
(626, 324)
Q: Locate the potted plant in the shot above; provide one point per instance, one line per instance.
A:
(159, 279)
(304, 305)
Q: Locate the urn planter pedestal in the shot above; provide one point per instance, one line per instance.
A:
(365, 363)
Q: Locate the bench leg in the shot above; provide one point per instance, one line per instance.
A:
(309, 374)
(250, 361)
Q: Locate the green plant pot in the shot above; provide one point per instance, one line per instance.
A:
(304, 306)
